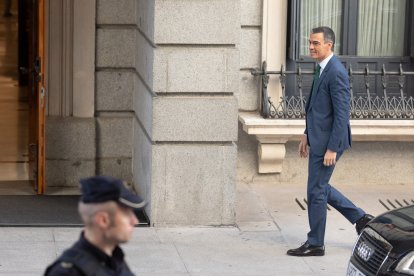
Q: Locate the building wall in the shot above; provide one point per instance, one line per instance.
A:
(196, 65)
(250, 54)
(169, 94)
(170, 78)
(116, 74)
(89, 128)
(70, 150)
(366, 163)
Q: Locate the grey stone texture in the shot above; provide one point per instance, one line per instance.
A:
(193, 156)
(195, 119)
(250, 48)
(116, 47)
(70, 138)
(143, 104)
(179, 143)
(142, 165)
(183, 251)
(197, 22)
(25, 266)
(124, 46)
(126, 41)
(67, 173)
(251, 12)
(116, 12)
(366, 163)
(248, 96)
(116, 167)
(247, 158)
(375, 163)
(114, 136)
(144, 59)
(250, 51)
(193, 184)
(70, 150)
(114, 90)
(189, 69)
(145, 17)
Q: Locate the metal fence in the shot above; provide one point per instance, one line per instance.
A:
(362, 107)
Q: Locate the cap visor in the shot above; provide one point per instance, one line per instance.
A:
(132, 204)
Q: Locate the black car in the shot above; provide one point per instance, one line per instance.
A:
(385, 246)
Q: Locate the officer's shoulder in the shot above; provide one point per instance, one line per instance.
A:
(66, 265)
(63, 268)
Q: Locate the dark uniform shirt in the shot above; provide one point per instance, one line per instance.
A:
(96, 258)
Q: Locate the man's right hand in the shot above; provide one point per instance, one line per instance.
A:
(303, 146)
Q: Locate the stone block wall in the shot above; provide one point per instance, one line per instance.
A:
(116, 83)
(249, 93)
(70, 150)
(250, 54)
(167, 72)
(196, 65)
(366, 163)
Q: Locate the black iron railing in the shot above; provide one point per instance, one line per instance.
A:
(362, 107)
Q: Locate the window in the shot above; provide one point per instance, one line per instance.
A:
(379, 25)
(369, 33)
(314, 13)
(381, 28)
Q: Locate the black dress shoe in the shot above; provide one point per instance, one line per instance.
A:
(362, 222)
(307, 250)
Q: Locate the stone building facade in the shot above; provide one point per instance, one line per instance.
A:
(157, 92)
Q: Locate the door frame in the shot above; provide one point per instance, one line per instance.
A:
(34, 12)
(41, 99)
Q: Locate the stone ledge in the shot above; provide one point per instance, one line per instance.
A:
(362, 130)
(272, 135)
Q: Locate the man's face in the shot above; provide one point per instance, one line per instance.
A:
(318, 48)
(122, 226)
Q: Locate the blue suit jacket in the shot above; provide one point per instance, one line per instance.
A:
(328, 109)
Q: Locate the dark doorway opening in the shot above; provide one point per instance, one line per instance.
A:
(14, 118)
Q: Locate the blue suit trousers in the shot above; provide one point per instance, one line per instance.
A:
(319, 193)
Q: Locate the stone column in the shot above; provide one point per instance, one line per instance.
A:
(172, 67)
(194, 129)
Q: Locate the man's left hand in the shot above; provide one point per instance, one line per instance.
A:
(330, 158)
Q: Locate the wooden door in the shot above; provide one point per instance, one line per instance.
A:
(35, 20)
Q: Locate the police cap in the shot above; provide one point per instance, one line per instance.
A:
(98, 189)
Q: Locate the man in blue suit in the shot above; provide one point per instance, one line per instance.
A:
(327, 134)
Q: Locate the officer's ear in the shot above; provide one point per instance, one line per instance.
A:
(102, 219)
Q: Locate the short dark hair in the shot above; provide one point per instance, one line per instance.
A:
(328, 34)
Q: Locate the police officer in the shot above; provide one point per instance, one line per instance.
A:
(106, 208)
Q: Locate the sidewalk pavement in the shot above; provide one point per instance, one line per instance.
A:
(176, 251)
(269, 222)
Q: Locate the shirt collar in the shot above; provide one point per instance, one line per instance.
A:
(111, 261)
(324, 62)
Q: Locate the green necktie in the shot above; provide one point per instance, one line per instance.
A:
(315, 80)
(317, 73)
(316, 77)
